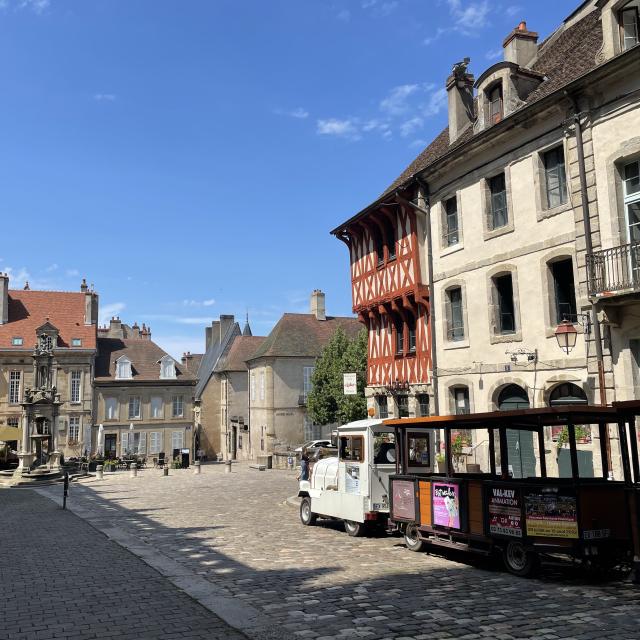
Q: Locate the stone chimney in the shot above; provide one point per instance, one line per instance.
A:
(226, 321)
(317, 305)
(4, 298)
(135, 330)
(460, 97)
(115, 328)
(521, 45)
(84, 287)
(90, 305)
(212, 334)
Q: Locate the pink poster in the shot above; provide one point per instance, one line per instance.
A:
(446, 505)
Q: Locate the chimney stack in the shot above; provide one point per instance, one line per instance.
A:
(226, 321)
(4, 298)
(521, 45)
(83, 286)
(212, 334)
(135, 330)
(318, 305)
(460, 97)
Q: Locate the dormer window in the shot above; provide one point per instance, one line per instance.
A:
(167, 368)
(123, 368)
(16, 342)
(76, 342)
(630, 25)
(495, 104)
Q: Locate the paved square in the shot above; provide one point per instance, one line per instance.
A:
(233, 542)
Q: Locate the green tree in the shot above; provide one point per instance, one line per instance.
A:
(326, 403)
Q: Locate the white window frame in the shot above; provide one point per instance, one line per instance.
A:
(15, 384)
(262, 385)
(123, 368)
(76, 342)
(177, 436)
(167, 368)
(155, 442)
(74, 429)
(132, 413)
(157, 407)
(111, 408)
(252, 385)
(177, 406)
(75, 387)
(17, 341)
(307, 385)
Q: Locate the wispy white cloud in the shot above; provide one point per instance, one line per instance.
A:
(468, 19)
(436, 102)
(380, 8)
(513, 10)
(494, 54)
(395, 103)
(51, 268)
(418, 143)
(104, 97)
(107, 311)
(37, 6)
(344, 15)
(408, 127)
(189, 302)
(347, 128)
(298, 112)
(72, 273)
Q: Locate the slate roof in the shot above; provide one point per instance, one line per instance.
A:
(242, 348)
(29, 310)
(213, 354)
(195, 362)
(302, 335)
(563, 57)
(144, 355)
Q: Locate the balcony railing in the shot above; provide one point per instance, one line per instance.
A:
(614, 271)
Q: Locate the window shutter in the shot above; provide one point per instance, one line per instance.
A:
(142, 444)
(448, 315)
(124, 443)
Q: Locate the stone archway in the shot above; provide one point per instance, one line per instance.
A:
(520, 449)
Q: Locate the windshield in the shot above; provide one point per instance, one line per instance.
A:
(384, 448)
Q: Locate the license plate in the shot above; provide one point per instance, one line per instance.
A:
(379, 506)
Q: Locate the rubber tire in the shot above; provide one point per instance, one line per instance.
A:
(307, 517)
(354, 529)
(519, 560)
(411, 539)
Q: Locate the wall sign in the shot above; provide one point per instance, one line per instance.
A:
(551, 513)
(350, 382)
(446, 505)
(505, 512)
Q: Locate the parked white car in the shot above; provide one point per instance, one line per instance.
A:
(354, 485)
(313, 444)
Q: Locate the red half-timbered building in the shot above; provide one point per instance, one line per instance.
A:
(392, 301)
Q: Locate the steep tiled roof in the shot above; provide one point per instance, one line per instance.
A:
(29, 310)
(144, 355)
(195, 361)
(211, 358)
(562, 58)
(242, 348)
(302, 335)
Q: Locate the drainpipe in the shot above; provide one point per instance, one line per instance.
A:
(423, 197)
(589, 244)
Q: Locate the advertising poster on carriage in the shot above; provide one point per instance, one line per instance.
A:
(505, 512)
(404, 500)
(446, 505)
(551, 513)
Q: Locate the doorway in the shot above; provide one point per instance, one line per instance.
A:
(522, 459)
(110, 442)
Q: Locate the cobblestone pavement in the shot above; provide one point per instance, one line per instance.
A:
(235, 534)
(60, 578)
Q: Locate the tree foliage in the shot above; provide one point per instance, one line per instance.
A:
(326, 403)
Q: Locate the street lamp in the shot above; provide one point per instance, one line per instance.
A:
(566, 335)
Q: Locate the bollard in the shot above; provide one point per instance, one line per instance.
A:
(290, 462)
(99, 471)
(165, 471)
(65, 490)
(196, 467)
(133, 470)
(227, 466)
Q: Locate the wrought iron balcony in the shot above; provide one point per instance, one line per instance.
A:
(614, 271)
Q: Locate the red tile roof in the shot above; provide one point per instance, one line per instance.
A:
(29, 310)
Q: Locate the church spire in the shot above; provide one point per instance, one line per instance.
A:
(247, 329)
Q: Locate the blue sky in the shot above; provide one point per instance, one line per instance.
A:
(189, 157)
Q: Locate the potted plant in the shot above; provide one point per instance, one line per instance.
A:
(110, 465)
(177, 463)
(440, 463)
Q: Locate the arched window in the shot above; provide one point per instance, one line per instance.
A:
(567, 393)
(167, 367)
(123, 368)
(513, 397)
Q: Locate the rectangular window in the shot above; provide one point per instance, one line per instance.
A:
(451, 222)
(632, 201)
(399, 337)
(14, 387)
(262, 385)
(411, 333)
(137, 443)
(461, 400)
(263, 432)
(13, 421)
(307, 374)
(252, 378)
(506, 320)
(495, 104)
(177, 440)
(352, 448)
(111, 408)
(498, 190)
(157, 407)
(423, 404)
(76, 380)
(178, 407)
(455, 317)
(418, 445)
(134, 407)
(383, 408)
(76, 342)
(155, 442)
(16, 342)
(629, 28)
(74, 429)
(403, 406)
(555, 177)
(564, 290)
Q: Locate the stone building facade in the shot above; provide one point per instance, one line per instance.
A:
(143, 397)
(524, 212)
(280, 373)
(67, 321)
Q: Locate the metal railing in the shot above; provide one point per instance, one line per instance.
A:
(614, 271)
